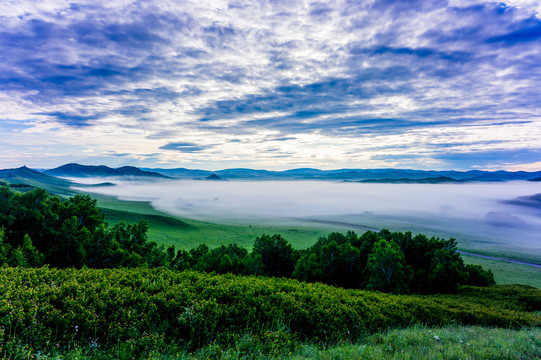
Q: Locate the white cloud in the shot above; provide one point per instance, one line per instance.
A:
(131, 77)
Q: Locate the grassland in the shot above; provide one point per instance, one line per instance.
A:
(506, 272)
(187, 233)
(418, 342)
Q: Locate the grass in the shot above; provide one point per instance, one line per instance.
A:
(508, 273)
(450, 342)
(188, 233)
(453, 342)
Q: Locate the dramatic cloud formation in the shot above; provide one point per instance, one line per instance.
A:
(271, 84)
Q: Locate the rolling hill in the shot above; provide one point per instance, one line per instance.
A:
(77, 170)
(28, 176)
(378, 175)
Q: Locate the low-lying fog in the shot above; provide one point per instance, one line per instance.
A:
(457, 210)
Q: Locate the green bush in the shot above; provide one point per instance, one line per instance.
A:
(150, 308)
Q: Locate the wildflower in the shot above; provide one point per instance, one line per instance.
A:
(436, 337)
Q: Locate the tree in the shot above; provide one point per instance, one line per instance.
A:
(224, 259)
(70, 246)
(276, 254)
(332, 260)
(85, 210)
(477, 276)
(385, 264)
(32, 256)
(446, 268)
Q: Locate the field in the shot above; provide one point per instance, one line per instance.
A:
(187, 233)
(417, 342)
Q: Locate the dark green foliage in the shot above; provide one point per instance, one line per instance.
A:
(386, 267)
(332, 260)
(477, 276)
(152, 308)
(39, 228)
(24, 255)
(388, 261)
(276, 254)
(224, 259)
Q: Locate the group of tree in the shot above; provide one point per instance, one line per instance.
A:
(37, 229)
(386, 261)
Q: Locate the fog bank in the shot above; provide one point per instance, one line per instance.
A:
(453, 208)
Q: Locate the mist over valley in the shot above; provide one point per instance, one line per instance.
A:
(480, 215)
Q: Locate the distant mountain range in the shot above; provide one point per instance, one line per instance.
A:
(77, 170)
(372, 175)
(431, 180)
(35, 178)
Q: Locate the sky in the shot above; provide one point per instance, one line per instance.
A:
(275, 84)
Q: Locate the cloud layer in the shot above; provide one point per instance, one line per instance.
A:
(271, 84)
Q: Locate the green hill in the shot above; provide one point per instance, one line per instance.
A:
(25, 175)
(77, 170)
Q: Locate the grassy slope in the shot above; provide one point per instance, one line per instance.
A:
(508, 273)
(186, 233)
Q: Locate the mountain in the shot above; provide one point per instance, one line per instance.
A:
(77, 170)
(213, 177)
(29, 176)
(23, 175)
(375, 175)
(242, 173)
(431, 180)
(381, 175)
(181, 173)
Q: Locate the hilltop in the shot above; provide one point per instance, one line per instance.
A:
(78, 170)
(25, 176)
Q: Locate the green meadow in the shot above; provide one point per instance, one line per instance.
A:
(187, 233)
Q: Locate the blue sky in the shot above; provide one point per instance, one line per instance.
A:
(273, 84)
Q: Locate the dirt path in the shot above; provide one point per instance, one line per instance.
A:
(502, 259)
(337, 223)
